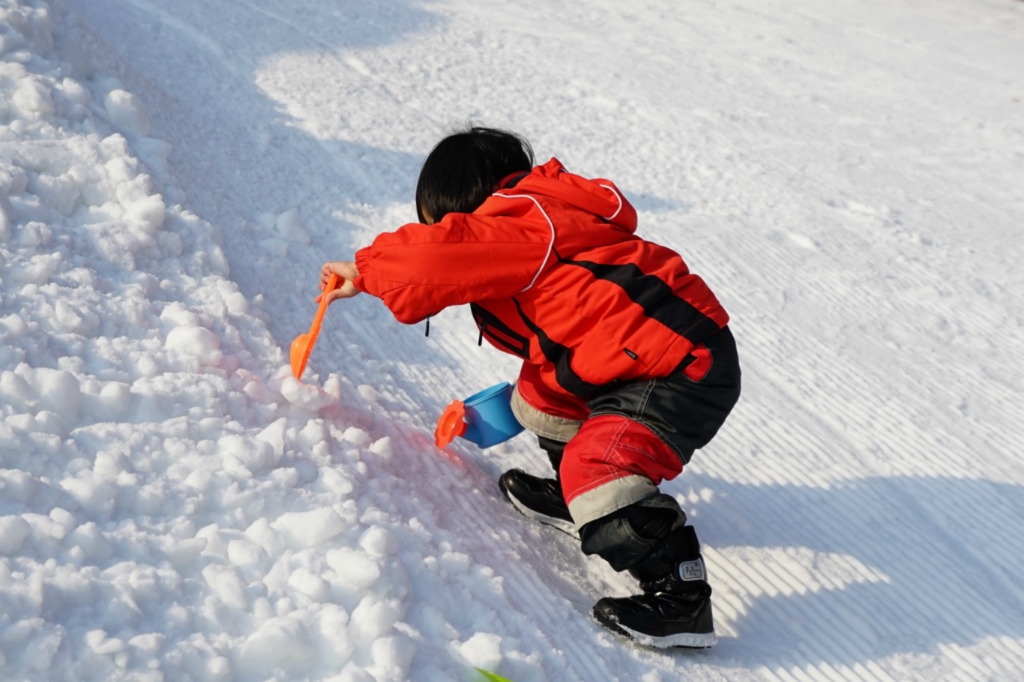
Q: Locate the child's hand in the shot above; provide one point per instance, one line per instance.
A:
(347, 271)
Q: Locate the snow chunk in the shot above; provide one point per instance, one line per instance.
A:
(291, 227)
(368, 393)
(16, 485)
(305, 396)
(353, 673)
(46, 527)
(237, 303)
(33, 100)
(114, 399)
(13, 531)
(482, 650)
(176, 314)
(103, 645)
(276, 247)
(337, 482)
(149, 213)
(182, 553)
(274, 436)
(62, 192)
(334, 642)
(126, 112)
(266, 537)
(59, 391)
(96, 494)
(246, 458)
(333, 386)
(377, 541)
(356, 571)
(308, 529)
(279, 643)
(373, 617)
(70, 318)
(198, 342)
(305, 581)
(110, 463)
(16, 390)
(14, 326)
(244, 553)
(88, 539)
(356, 436)
(219, 668)
(225, 583)
(74, 92)
(383, 447)
(394, 654)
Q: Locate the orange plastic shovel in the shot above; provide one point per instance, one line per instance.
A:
(302, 346)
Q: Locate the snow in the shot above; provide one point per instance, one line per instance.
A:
(290, 225)
(126, 112)
(174, 505)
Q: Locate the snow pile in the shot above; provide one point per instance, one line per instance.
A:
(173, 504)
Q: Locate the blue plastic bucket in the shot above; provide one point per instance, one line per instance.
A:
(489, 418)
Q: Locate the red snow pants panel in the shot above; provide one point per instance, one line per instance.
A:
(611, 463)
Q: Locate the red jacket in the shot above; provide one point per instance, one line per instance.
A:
(557, 277)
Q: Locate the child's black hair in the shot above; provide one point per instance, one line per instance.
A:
(463, 169)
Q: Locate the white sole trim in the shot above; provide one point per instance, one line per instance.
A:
(565, 526)
(690, 640)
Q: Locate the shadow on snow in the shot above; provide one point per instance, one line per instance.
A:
(947, 547)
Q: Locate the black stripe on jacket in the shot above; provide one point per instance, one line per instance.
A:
(656, 298)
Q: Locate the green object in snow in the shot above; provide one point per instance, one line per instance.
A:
(491, 677)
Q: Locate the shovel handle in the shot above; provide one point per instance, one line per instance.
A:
(333, 283)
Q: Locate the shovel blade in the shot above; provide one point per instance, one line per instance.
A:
(300, 354)
(302, 346)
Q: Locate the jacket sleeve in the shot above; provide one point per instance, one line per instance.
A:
(418, 270)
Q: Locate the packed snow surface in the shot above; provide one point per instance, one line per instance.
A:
(848, 176)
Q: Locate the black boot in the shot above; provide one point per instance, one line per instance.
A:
(675, 607)
(537, 498)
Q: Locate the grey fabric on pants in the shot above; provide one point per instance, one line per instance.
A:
(540, 423)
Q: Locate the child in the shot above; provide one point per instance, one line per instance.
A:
(628, 365)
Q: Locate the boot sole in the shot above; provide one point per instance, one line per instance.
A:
(684, 640)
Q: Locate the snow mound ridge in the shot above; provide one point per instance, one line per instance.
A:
(171, 501)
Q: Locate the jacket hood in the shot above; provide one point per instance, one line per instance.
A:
(597, 197)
